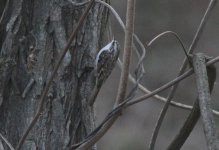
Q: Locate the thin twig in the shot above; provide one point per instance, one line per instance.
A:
(171, 83)
(139, 70)
(124, 76)
(200, 29)
(205, 101)
(162, 88)
(45, 91)
(162, 99)
(175, 35)
(6, 141)
(173, 89)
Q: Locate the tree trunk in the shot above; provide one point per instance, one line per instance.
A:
(33, 33)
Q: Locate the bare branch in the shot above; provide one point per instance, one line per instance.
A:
(171, 83)
(175, 35)
(127, 51)
(205, 100)
(187, 128)
(182, 69)
(204, 20)
(160, 98)
(194, 115)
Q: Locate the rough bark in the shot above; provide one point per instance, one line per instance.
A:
(2, 4)
(31, 40)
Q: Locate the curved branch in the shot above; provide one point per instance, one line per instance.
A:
(175, 35)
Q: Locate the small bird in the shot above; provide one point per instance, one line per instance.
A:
(104, 63)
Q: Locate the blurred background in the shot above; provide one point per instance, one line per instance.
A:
(134, 128)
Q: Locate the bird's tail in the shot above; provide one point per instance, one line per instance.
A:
(93, 96)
